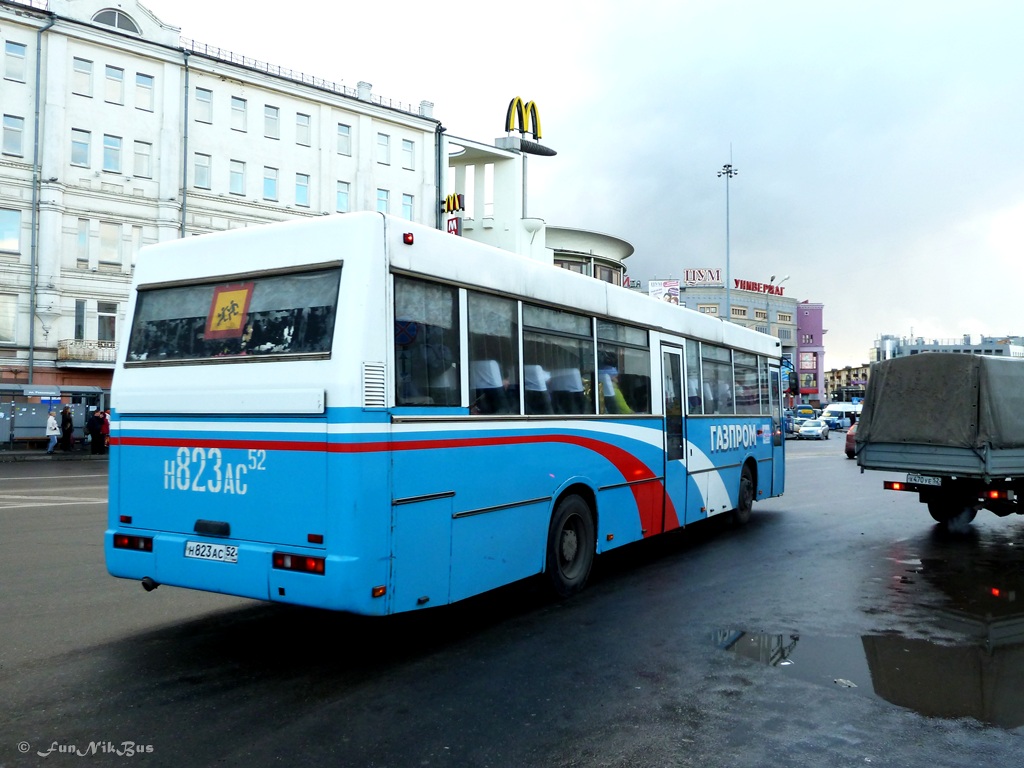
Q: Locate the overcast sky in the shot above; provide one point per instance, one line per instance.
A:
(878, 144)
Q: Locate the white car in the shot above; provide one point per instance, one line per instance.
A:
(813, 429)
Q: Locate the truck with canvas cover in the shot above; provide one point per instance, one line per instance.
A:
(954, 424)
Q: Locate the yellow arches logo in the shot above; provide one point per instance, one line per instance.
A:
(525, 115)
(453, 203)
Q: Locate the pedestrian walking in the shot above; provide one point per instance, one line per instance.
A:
(67, 429)
(95, 428)
(105, 430)
(52, 432)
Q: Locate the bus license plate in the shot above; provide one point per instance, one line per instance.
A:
(924, 480)
(222, 553)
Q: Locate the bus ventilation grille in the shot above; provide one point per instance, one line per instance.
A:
(374, 392)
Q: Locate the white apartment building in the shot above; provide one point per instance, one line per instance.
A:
(117, 134)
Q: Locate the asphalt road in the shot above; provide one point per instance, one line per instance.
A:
(839, 627)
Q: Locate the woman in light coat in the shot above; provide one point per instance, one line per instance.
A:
(52, 432)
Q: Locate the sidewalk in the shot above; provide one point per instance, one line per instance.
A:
(39, 454)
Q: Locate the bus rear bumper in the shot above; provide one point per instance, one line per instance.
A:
(252, 575)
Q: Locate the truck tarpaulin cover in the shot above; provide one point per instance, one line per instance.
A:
(956, 400)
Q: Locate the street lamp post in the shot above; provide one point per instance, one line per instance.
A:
(728, 170)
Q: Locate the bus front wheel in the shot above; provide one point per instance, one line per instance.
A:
(571, 546)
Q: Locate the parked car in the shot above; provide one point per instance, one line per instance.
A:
(851, 444)
(813, 429)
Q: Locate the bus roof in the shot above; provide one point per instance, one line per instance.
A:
(434, 254)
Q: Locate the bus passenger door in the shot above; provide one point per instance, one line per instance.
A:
(778, 431)
(675, 437)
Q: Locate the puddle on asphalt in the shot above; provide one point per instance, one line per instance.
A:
(982, 681)
(968, 589)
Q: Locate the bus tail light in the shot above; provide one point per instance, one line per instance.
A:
(892, 485)
(138, 543)
(301, 563)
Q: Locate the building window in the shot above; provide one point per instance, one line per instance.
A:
(81, 77)
(341, 197)
(383, 197)
(237, 186)
(408, 154)
(107, 321)
(112, 153)
(8, 317)
(785, 334)
(114, 93)
(80, 146)
(738, 311)
(110, 242)
(383, 149)
(14, 61)
(237, 114)
(143, 159)
(202, 171)
(760, 314)
(269, 183)
(204, 105)
(79, 319)
(14, 131)
(82, 245)
(271, 122)
(136, 242)
(117, 20)
(579, 267)
(807, 338)
(605, 274)
(785, 317)
(302, 189)
(344, 139)
(144, 92)
(302, 129)
(708, 309)
(10, 230)
(407, 207)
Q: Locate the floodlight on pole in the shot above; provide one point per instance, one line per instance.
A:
(728, 170)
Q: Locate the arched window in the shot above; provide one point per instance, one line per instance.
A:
(117, 20)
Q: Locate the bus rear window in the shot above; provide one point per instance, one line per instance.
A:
(247, 318)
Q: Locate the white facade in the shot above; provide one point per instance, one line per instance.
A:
(887, 346)
(142, 138)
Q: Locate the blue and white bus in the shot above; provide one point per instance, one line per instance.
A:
(362, 414)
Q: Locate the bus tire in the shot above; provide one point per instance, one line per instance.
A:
(745, 499)
(571, 546)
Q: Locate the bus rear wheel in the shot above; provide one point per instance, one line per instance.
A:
(571, 546)
(745, 500)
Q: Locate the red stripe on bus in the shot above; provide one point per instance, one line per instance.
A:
(648, 496)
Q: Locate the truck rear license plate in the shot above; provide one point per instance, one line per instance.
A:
(222, 553)
(924, 480)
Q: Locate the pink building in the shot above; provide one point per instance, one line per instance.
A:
(810, 353)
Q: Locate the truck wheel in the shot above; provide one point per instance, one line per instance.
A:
(572, 543)
(952, 515)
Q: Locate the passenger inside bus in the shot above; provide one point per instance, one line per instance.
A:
(488, 387)
(538, 399)
(567, 393)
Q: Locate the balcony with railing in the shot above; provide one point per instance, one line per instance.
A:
(86, 352)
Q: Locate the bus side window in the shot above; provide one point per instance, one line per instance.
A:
(426, 344)
(493, 324)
